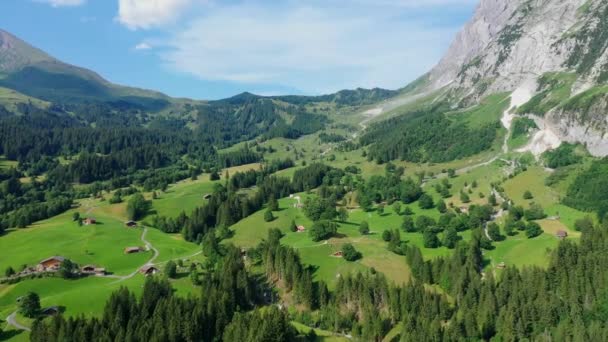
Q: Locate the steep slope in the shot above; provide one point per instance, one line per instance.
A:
(33, 72)
(15, 54)
(552, 53)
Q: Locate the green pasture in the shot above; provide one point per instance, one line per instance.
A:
(101, 244)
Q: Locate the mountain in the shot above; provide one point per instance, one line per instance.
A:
(553, 56)
(33, 72)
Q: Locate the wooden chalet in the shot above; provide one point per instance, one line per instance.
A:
(301, 229)
(130, 224)
(50, 264)
(93, 270)
(561, 234)
(131, 250)
(89, 221)
(148, 270)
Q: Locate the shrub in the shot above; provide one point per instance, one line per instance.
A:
(533, 230)
(268, 216)
(349, 253)
(364, 228)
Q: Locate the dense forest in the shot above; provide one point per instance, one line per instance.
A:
(247, 116)
(587, 192)
(426, 135)
(110, 146)
(564, 302)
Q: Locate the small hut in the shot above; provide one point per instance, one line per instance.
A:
(89, 221)
(148, 270)
(131, 224)
(131, 250)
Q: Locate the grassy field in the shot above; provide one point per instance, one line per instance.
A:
(322, 335)
(520, 251)
(7, 164)
(487, 112)
(100, 244)
(188, 194)
(250, 231)
(10, 99)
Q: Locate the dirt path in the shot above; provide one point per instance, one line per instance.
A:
(150, 262)
(10, 320)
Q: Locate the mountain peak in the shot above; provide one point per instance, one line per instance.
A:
(508, 43)
(16, 54)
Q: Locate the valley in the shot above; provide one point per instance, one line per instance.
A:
(468, 205)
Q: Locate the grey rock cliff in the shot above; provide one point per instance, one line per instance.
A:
(508, 43)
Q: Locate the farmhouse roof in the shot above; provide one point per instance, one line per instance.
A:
(148, 268)
(56, 258)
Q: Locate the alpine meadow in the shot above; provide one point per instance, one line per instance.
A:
(469, 205)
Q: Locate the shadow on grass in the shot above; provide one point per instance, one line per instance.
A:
(7, 335)
(181, 275)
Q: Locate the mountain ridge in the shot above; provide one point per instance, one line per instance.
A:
(532, 47)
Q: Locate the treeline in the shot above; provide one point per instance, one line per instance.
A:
(239, 157)
(357, 97)
(222, 312)
(564, 302)
(331, 137)
(426, 136)
(587, 192)
(366, 305)
(249, 178)
(24, 203)
(226, 206)
(562, 156)
(247, 116)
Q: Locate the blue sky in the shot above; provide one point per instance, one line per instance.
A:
(209, 49)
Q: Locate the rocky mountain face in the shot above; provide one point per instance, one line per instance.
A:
(553, 53)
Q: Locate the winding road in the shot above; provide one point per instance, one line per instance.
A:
(10, 320)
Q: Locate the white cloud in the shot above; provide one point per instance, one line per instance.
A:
(62, 3)
(312, 47)
(145, 14)
(143, 46)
